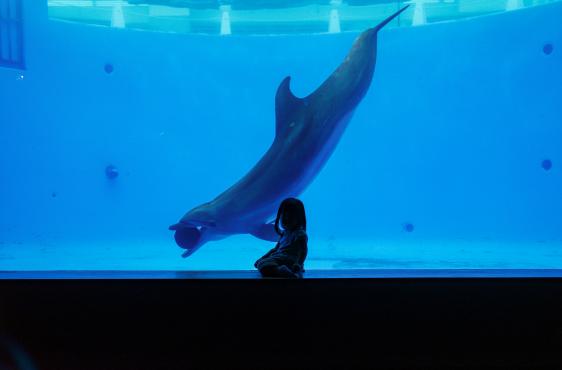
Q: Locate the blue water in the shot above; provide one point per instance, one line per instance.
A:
(452, 160)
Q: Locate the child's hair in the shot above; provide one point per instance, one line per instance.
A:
(294, 210)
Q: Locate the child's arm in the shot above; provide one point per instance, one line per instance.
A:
(298, 250)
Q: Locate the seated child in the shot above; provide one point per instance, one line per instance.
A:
(287, 258)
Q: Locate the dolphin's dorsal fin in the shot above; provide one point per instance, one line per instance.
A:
(285, 104)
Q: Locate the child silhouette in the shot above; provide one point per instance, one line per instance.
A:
(286, 259)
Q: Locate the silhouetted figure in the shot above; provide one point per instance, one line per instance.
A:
(287, 258)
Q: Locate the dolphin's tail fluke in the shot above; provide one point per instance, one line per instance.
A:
(385, 22)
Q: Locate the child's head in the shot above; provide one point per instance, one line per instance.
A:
(290, 215)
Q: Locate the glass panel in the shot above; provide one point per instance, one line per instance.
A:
(13, 8)
(14, 43)
(4, 9)
(445, 153)
(4, 42)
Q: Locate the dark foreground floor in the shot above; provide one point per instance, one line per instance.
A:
(188, 323)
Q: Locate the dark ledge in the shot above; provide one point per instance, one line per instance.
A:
(312, 274)
(383, 319)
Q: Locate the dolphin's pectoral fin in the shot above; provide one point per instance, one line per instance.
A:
(266, 232)
(285, 103)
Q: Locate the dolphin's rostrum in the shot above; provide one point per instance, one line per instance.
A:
(306, 132)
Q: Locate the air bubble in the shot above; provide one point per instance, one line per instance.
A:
(108, 68)
(111, 172)
(546, 164)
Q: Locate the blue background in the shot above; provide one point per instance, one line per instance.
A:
(450, 137)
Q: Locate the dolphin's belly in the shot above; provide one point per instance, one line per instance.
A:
(283, 172)
(325, 150)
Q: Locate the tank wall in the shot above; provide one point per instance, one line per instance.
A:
(450, 137)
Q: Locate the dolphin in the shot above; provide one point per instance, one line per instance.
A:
(307, 131)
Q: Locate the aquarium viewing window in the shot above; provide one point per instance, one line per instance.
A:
(163, 136)
(11, 34)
